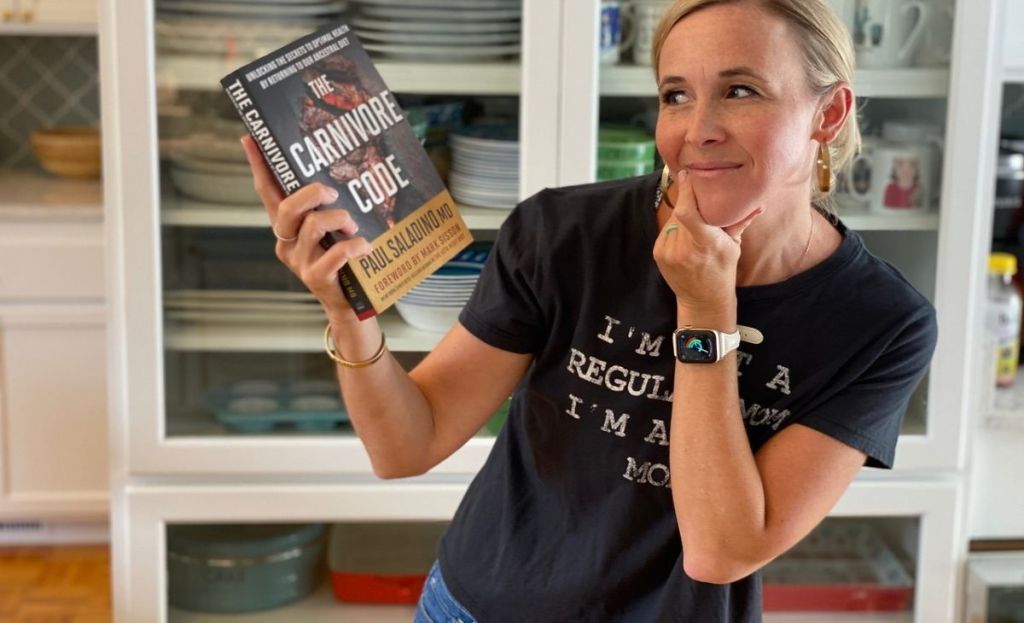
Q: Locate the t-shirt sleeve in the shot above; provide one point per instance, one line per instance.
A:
(505, 310)
(868, 412)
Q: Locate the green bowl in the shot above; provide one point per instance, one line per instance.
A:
(622, 144)
(614, 170)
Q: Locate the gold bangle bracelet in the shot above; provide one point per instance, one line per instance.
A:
(336, 358)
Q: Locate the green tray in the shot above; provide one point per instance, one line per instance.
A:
(287, 408)
(624, 144)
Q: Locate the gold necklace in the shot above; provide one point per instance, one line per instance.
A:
(807, 247)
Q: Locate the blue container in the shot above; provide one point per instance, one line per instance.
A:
(242, 568)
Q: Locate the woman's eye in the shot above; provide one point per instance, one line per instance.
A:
(740, 91)
(674, 98)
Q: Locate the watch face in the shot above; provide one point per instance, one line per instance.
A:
(696, 346)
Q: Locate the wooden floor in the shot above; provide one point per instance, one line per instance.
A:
(65, 584)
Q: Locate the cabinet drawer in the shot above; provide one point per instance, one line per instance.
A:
(56, 261)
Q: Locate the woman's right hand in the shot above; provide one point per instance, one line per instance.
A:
(300, 227)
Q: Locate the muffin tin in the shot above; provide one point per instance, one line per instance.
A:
(263, 406)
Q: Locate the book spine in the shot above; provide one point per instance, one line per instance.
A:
(350, 286)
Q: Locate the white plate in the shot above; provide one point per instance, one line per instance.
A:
(487, 171)
(244, 317)
(485, 145)
(483, 201)
(216, 167)
(235, 295)
(447, 4)
(215, 188)
(259, 306)
(443, 52)
(240, 8)
(442, 15)
(432, 26)
(441, 38)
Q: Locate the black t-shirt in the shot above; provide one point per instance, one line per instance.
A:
(571, 517)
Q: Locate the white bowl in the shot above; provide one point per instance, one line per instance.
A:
(438, 319)
(215, 188)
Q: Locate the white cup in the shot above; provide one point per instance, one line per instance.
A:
(888, 33)
(937, 47)
(617, 30)
(648, 14)
(922, 133)
(893, 178)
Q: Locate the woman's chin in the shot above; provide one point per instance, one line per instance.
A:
(721, 215)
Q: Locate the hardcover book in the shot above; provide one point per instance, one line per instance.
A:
(320, 112)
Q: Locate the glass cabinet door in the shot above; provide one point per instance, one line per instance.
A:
(895, 194)
(242, 366)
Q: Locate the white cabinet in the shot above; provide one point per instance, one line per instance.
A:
(53, 385)
(1013, 42)
(175, 463)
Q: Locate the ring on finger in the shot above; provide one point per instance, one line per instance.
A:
(671, 228)
(282, 238)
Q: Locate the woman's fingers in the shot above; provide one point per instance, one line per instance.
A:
(321, 275)
(315, 225)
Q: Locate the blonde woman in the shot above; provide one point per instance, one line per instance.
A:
(701, 362)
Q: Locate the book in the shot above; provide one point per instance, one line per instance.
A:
(320, 112)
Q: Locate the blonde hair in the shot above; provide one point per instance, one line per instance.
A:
(828, 60)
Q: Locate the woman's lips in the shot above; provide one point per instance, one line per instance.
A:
(712, 169)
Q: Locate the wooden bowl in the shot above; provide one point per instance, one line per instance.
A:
(69, 151)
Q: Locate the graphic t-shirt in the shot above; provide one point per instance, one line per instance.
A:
(571, 517)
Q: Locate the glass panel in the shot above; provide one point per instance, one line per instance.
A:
(1005, 604)
(310, 572)
(243, 337)
(1003, 402)
(859, 569)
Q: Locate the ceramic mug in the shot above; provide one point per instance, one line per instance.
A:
(888, 33)
(617, 31)
(893, 178)
(937, 47)
(918, 133)
(647, 13)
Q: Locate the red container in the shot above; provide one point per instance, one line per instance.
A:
(382, 562)
(836, 597)
(377, 589)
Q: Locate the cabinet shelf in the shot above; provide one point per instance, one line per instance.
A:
(48, 29)
(183, 212)
(31, 194)
(290, 337)
(321, 607)
(635, 80)
(204, 73)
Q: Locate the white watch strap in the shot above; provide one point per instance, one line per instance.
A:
(727, 342)
(749, 335)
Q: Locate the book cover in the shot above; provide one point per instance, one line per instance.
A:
(320, 112)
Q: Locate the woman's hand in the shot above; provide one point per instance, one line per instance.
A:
(300, 227)
(699, 260)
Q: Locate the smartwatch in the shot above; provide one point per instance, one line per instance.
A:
(693, 345)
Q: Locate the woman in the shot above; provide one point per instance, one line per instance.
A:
(591, 507)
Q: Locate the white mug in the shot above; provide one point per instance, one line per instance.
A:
(918, 133)
(937, 47)
(888, 33)
(898, 180)
(648, 14)
(617, 31)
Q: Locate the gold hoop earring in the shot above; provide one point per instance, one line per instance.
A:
(666, 180)
(824, 168)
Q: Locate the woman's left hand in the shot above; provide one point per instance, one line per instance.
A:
(699, 260)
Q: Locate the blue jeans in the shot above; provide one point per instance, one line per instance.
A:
(437, 605)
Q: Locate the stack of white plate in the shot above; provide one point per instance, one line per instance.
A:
(439, 30)
(435, 303)
(485, 166)
(247, 28)
(242, 306)
(212, 170)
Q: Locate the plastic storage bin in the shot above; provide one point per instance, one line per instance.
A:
(382, 562)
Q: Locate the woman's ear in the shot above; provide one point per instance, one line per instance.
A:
(837, 105)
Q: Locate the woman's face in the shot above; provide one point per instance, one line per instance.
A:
(736, 111)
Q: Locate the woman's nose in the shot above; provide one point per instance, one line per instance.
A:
(705, 125)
